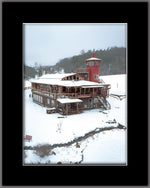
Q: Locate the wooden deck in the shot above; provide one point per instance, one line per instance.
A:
(64, 95)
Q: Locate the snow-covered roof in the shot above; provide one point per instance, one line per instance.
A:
(68, 83)
(94, 86)
(67, 100)
(93, 59)
(56, 76)
(51, 108)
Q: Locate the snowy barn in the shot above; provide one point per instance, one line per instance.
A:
(72, 92)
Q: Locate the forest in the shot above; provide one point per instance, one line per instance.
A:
(113, 62)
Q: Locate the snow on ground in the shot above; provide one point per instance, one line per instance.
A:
(118, 83)
(44, 128)
(108, 147)
(27, 83)
(65, 155)
(105, 147)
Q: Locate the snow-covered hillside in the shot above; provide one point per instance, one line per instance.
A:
(118, 83)
(107, 147)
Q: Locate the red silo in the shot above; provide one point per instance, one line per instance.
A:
(93, 65)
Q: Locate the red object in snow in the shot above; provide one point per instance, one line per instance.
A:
(28, 137)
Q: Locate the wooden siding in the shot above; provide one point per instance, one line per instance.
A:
(73, 77)
(47, 95)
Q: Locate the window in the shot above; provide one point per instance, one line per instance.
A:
(82, 91)
(104, 88)
(95, 100)
(41, 99)
(48, 101)
(97, 63)
(91, 63)
(96, 76)
(52, 103)
(33, 97)
(64, 89)
(99, 90)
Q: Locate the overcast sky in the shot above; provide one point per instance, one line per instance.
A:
(46, 44)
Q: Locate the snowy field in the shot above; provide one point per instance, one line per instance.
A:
(118, 83)
(108, 147)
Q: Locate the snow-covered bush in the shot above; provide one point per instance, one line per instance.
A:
(42, 150)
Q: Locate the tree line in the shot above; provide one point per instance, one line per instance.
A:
(113, 62)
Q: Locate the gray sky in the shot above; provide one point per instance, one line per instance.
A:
(46, 44)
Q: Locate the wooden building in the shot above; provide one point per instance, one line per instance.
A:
(72, 93)
(92, 70)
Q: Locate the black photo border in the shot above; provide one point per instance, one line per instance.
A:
(136, 17)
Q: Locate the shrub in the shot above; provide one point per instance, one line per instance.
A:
(42, 150)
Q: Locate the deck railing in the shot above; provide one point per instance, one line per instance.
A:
(83, 70)
(63, 95)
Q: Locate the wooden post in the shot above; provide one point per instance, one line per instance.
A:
(60, 89)
(75, 91)
(49, 90)
(66, 109)
(93, 102)
(77, 107)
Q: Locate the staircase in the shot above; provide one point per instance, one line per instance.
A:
(104, 102)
